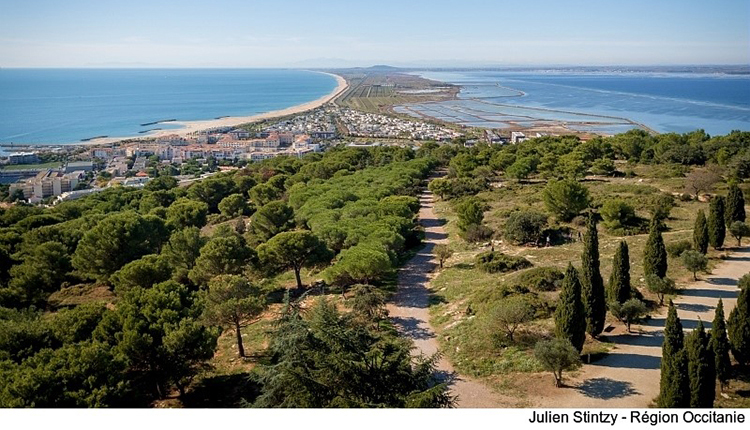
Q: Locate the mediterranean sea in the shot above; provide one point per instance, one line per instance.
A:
(56, 106)
(599, 102)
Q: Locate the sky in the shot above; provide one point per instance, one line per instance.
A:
(284, 33)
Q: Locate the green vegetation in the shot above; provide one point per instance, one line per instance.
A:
(700, 233)
(717, 230)
(557, 356)
(619, 288)
(655, 255)
(735, 210)
(628, 312)
(648, 175)
(592, 285)
(720, 345)
(164, 287)
(694, 261)
(701, 369)
(497, 262)
(738, 324)
(570, 316)
(674, 389)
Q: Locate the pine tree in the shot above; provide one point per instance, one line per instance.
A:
(655, 254)
(738, 324)
(700, 233)
(570, 316)
(720, 345)
(619, 281)
(674, 386)
(735, 210)
(716, 228)
(701, 370)
(592, 285)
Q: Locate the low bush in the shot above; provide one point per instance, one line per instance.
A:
(675, 249)
(540, 279)
(497, 262)
(477, 233)
(525, 227)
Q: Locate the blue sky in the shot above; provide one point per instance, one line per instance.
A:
(282, 33)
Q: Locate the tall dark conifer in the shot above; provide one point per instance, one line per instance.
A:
(717, 231)
(700, 233)
(570, 316)
(701, 370)
(619, 281)
(655, 254)
(735, 210)
(592, 285)
(674, 388)
(738, 324)
(720, 345)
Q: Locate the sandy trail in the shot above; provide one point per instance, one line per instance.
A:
(628, 377)
(409, 310)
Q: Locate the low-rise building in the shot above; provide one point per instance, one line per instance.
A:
(23, 158)
(47, 184)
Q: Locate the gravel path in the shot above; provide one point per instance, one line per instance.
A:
(628, 377)
(409, 310)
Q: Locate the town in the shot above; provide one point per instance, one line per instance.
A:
(133, 162)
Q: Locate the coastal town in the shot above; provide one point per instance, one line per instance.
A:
(87, 168)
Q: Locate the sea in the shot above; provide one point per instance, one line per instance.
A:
(57, 106)
(602, 102)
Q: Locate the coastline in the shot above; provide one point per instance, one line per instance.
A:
(191, 127)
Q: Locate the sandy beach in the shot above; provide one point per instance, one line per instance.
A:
(190, 127)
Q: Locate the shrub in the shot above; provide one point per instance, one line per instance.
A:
(477, 233)
(603, 166)
(565, 198)
(738, 230)
(660, 286)
(628, 312)
(470, 211)
(660, 205)
(557, 356)
(497, 262)
(525, 227)
(675, 249)
(541, 279)
(694, 261)
(510, 313)
(618, 215)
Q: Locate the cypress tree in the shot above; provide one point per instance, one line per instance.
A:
(735, 210)
(592, 285)
(738, 324)
(700, 233)
(681, 381)
(619, 281)
(720, 345)
(701, 371)
(674, 385)
(716, 228)
(655, 254)
(570, 316)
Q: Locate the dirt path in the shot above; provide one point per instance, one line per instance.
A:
(409, 310)
(628, 377)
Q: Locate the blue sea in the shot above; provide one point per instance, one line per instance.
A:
(68, 105)
(599, 102)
